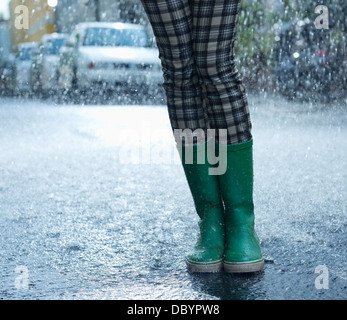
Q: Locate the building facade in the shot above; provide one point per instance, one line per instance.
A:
(39, 16)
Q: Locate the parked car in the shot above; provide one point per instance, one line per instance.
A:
(108, 55)
(309, 64)
(45, 61)
(7, 76)
(22, 66)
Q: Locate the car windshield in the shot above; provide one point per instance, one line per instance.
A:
(53, 46)
(25, 53)
(112, 37)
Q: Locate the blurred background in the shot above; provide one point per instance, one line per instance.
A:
(278, 47)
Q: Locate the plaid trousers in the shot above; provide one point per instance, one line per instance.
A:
(196, 39)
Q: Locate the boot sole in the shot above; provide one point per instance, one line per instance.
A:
(212, 266)
(240, 267)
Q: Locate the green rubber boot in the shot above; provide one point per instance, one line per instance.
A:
(207, 255)
(242, 249)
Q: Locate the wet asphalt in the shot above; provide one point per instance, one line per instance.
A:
(95, 205)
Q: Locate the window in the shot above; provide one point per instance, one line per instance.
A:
(111, 37)
(52, 47)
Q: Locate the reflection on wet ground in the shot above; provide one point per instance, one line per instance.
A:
(84, 225)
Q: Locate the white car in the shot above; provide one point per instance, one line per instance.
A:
(22, 66)
(107, 55)
(44, 67)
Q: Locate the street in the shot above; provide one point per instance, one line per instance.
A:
(94, 204)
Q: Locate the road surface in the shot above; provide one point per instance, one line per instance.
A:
(95, 205)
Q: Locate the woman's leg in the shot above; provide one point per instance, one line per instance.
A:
(214, 32)
(171, 21)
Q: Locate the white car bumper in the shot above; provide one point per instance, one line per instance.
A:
(110, 78)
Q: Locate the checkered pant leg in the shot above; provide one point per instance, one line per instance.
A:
(195, 39)
(215, 24)
(172, 26)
